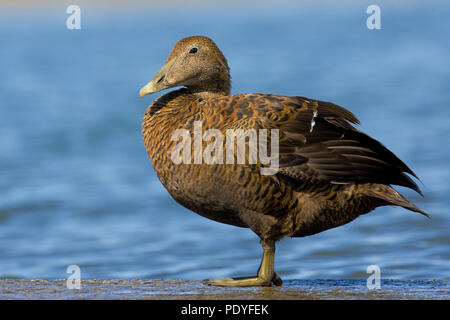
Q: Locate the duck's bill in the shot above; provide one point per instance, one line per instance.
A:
(158, 82)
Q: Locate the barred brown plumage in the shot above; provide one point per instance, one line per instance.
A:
(329, 172)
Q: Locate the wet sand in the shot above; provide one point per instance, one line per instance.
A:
(196, 290)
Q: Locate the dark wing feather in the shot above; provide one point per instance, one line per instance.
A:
(347, 155)
(318, 141)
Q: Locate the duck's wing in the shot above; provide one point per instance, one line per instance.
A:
(318, 141)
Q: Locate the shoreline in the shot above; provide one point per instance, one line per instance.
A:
(158, 289)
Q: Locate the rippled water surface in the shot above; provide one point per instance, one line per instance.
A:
(76, 186)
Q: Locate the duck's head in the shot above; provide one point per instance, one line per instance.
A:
(196, 63)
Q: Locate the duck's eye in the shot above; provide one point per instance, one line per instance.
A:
(193, 50)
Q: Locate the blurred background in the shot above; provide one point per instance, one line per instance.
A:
(77, 188)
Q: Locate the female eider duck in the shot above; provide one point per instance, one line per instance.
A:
(328, 171)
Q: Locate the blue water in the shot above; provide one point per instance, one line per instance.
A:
(77, 188)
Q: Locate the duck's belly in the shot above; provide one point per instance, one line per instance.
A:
(224, 193)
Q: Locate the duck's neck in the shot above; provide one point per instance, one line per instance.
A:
(217, 85)
(207, 94)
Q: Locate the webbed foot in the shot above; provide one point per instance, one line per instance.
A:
(266, 274)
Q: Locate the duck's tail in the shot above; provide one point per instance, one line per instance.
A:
(392, 197)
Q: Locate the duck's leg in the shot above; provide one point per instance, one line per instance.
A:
(266, 274)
